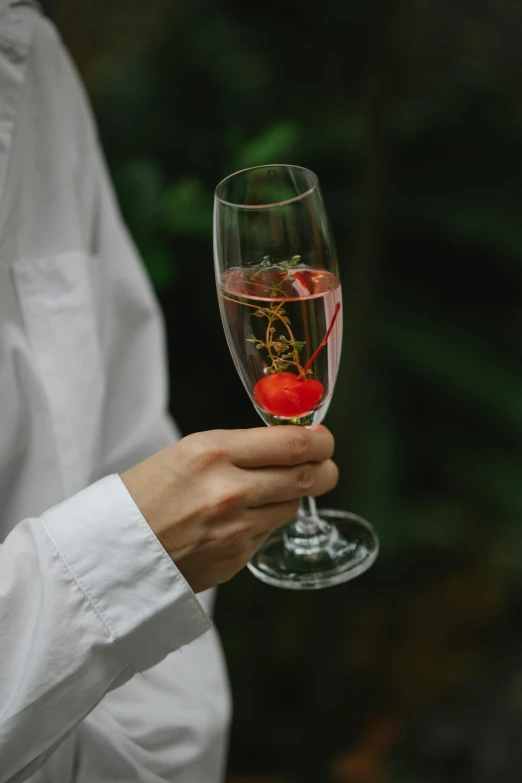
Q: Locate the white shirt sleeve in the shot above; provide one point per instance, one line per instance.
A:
(88, 598)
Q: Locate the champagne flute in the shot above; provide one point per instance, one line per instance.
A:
(280, 300)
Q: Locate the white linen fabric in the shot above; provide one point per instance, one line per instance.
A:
(88, 597)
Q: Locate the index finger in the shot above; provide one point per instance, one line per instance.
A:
(262, 447)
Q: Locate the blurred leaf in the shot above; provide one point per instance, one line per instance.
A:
(489, 221)
(187, 208)
(160, 264)
(139, 184)
(492, 478)
(456, 362)
(377, 489)
(275, 143)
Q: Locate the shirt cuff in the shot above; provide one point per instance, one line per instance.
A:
(125, 573)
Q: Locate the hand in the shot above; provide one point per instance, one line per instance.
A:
(214, 497)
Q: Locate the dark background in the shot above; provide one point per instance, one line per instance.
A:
(410, 112)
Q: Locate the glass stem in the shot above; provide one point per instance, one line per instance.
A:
(307, 522)
(309, 537)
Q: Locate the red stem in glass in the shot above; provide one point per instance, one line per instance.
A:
(321, 345)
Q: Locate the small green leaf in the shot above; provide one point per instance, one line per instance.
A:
(294, 260)
(299, 345)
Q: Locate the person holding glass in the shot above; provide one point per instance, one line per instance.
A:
(114, 530)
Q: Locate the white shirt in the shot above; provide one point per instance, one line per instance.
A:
(88, 597)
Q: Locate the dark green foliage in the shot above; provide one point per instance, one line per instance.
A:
(410, 113)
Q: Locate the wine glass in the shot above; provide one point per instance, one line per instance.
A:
(280, 299)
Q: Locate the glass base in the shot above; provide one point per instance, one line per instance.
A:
(306, 420)
(349, 550)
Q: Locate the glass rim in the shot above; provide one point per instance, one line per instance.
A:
(273, 203)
